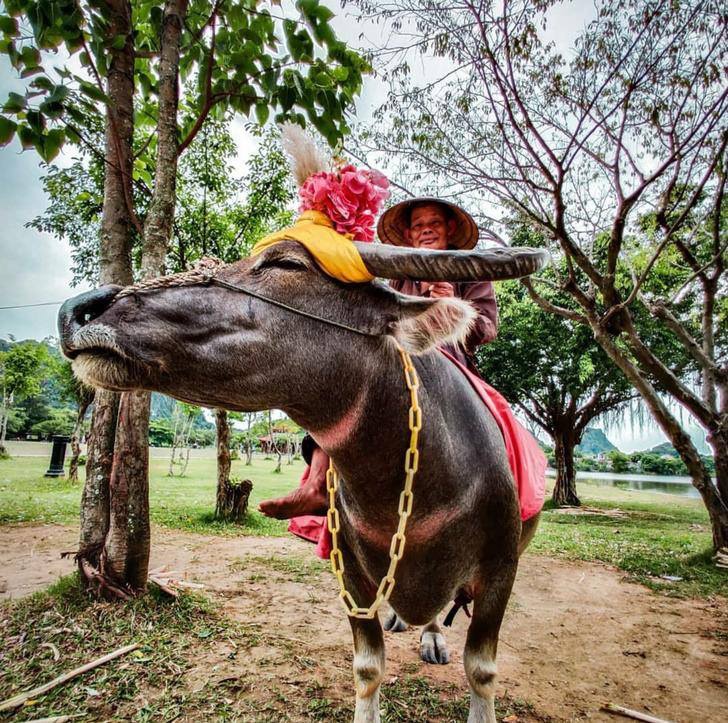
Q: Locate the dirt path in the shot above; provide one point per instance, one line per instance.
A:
(575, 635)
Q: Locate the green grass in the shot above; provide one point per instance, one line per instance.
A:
(185, 503)
(287, 567)
(63, 622)
(657, 535)
(166, 677)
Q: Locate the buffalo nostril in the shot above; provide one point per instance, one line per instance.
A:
(80, 310)
(86, 307)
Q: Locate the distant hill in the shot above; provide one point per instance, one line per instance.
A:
(664, 448)
(162, 407)
(594, 442)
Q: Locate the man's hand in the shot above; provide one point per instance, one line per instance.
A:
(440, 290)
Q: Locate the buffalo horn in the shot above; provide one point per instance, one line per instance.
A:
(493, 264)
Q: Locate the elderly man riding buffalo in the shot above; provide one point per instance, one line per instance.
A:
(422, 223)
(425, 223)
(433, 487)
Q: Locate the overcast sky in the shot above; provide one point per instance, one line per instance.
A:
(34, 267)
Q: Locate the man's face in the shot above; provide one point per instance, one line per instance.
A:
(429, 228)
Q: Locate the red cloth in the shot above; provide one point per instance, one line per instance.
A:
(312, 527)
(525, 458)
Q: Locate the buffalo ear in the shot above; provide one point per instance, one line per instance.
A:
(424, 324)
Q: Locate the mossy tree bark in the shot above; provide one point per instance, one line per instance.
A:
(128, 543)
(84, 403)
(565, 486)
(117, 234)
(224, 462)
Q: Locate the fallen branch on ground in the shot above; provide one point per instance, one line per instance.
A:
(634, 714)
(21, 698)
(169, 584)
(52, 719)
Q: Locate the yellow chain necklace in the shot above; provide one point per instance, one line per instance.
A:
(406, 498)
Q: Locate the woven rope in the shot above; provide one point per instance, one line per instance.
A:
(200, 273)
(204, 273)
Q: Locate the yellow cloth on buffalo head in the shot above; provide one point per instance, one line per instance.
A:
(334, 252)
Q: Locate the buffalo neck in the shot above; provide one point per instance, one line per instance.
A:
(360, 419)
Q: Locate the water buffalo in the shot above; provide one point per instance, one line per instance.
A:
(336, 370)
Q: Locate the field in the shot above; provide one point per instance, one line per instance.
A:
(177, 502)
(617, 602)
(648, 535)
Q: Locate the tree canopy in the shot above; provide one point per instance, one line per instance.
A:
(217, 214)
(615, 151)
(247, 56)
(22, 368)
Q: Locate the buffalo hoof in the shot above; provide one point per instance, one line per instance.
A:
(394, 624)
(433, 649)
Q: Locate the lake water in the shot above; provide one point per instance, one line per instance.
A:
(680, 486)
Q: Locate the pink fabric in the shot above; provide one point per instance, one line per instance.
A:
(312, 527)
(525, 458)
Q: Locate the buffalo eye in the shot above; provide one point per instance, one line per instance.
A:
(286, 264)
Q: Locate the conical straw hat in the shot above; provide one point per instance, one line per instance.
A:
(396, 219)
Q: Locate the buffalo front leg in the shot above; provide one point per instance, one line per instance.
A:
(481, 645)
(368, 668)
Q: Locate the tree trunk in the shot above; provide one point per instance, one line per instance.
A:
(248, 445)
(714, 498)
(232, 500)
(714, 495)
(160, 216)
(117, 226)
(186, 440)
(127, 548)
(4, 428)
(126, 554)
(175, 437)
(565, 485)
(117, 236)
(180, 442)
(717, 500)
(83, 406)
(185, 460)
(274, 447)
(95, 495)
(223, 461)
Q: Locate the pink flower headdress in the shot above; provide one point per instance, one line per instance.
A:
(350, 197)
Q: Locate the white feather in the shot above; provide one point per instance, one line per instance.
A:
(306, 157)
